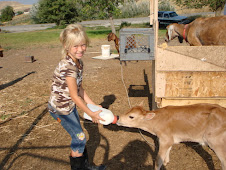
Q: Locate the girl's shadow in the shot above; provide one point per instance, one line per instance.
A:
(93, 130)
(133, 156)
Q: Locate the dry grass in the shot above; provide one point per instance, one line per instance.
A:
(16, 5)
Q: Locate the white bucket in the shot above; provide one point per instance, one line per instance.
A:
(105, 50)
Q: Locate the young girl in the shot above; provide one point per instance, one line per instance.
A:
(67, 93)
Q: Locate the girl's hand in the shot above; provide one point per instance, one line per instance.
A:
(99, 105)
(96, 104)
(96, 118)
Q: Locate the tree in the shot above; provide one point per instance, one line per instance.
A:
(215, 5)
(60, 12)
(33, 13)
(19, 12)
(7, 14)
(101, 9)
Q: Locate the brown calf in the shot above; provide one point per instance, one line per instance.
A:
(202, 31)
(202, 123)
(113, 37)
(130, 41)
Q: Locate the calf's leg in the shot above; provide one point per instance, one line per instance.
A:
(217, 143)
(163, 154)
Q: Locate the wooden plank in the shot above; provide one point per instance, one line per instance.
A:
(160, 81)
(191, 84)
(215, 55)
(188, 101)
(175, 61)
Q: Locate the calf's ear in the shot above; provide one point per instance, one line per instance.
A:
(150, 115)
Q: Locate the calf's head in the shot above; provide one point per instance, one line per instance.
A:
(111, 36)
(135, 117)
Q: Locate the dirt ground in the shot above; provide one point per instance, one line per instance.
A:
(32, 139)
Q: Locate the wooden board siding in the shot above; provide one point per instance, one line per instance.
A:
(188, 75)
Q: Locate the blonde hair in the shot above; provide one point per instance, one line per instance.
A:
(72, 35)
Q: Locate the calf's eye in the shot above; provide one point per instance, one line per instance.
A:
(131, 117)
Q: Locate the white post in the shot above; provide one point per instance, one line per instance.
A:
(155, 23)
(151, 12)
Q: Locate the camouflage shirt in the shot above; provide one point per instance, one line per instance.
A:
(60, 98)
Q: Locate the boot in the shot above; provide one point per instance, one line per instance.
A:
(82, 163)
(77, 162)
(88, 166)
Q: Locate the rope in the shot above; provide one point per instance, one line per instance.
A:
(127, 94)
(123, 82)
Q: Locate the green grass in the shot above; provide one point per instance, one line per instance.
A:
(50, 36)
(97, 32)
(27, 39)
(162, 32)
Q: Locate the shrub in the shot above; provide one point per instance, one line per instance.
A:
(60, 12)
(19, 12)
(192, 18)
(134, 9)
(23, 19)
(33, 13)
(7, 14)
(124, 24)
(165, 6)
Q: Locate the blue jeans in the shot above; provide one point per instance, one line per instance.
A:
(71, 123)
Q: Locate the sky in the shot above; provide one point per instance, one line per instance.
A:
(26, 2)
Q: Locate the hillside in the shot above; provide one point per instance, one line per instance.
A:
(16, 5)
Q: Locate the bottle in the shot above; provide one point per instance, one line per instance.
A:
(106, 114)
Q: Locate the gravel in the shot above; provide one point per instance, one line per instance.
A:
(35, 27)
